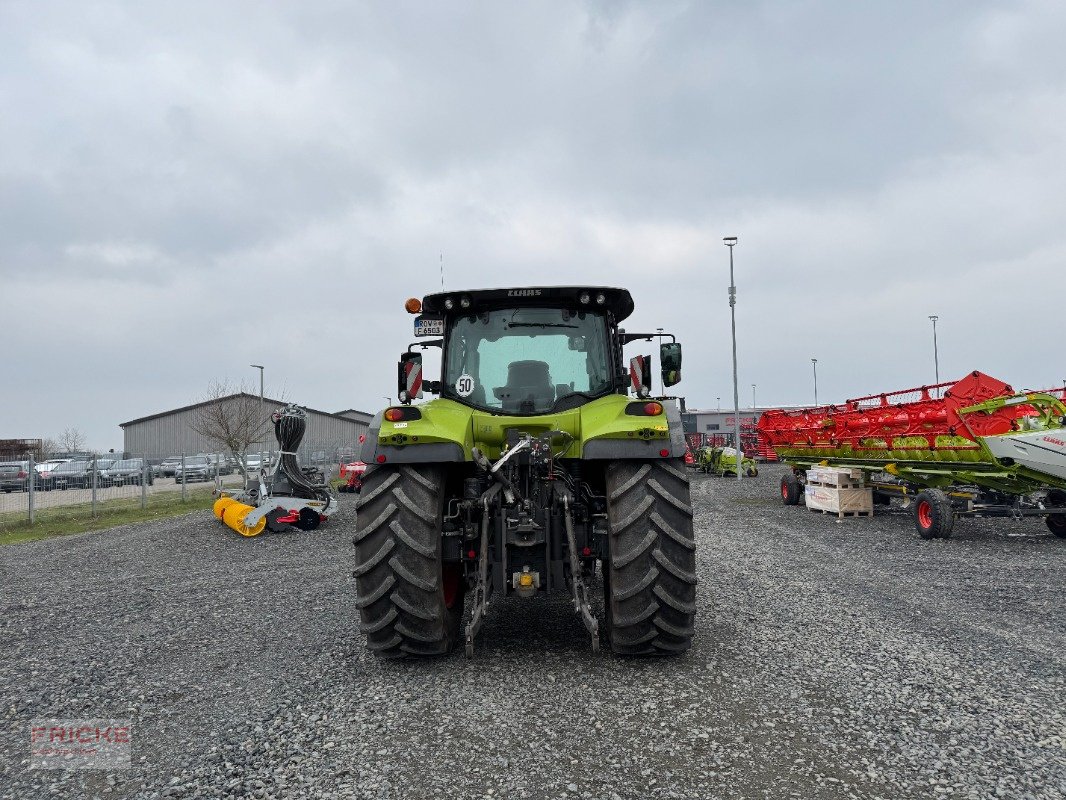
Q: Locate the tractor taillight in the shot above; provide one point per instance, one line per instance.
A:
(652, 408)
(664, 452)
(402, 414)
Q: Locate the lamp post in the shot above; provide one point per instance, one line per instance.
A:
(753, 398)
(814, 364)
(936, 357)
(719, 403)
(260, 368)
(387, 399)
(662, 383)
(730, 242)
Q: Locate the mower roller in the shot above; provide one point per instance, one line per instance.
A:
(974, 447)
(532, 471)
(283, 495)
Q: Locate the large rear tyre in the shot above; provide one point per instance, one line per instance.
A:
(650, 577)
(933, 515)
(405, 604)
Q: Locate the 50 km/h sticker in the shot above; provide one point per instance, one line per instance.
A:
(464, 386)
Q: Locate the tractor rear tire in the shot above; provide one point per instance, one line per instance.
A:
(791, 489)
(650, 574)
(399, 577)
(933, 514)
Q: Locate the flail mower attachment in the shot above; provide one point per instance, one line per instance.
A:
(283, 495)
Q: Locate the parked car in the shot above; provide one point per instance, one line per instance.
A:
(197, 468)
(103, 464)
(220, 461)
(128, 471)
(169, 467)
(72, 475)
(14, 476)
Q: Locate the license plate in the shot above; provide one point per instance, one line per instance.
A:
(429, 327)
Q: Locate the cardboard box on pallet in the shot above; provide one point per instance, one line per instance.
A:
(836, 476)
(840, 501)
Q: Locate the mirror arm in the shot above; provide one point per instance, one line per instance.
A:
(647, 337)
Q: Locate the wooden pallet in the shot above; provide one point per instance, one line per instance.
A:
(841, 515)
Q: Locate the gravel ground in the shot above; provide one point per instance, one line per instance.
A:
(831, 660)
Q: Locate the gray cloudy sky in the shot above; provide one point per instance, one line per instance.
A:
(187, 188)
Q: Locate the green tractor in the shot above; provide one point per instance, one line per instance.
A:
(532, 467)
(722, 461)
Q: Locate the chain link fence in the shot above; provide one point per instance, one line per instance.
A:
(85, 486)
(33, 491)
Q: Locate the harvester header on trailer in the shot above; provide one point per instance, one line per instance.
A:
(981, 440)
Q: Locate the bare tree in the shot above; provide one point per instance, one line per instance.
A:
(233, 418)
(71, 440)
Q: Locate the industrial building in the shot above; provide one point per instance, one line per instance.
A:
(329, 436)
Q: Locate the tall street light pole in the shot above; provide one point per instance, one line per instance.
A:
(261, 417)
(936, 356)
(730, 242)
(814, 364)
(662, 383)
(753, 398)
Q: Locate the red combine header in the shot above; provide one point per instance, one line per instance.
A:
(974, 446)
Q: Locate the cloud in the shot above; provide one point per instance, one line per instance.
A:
(187, 189)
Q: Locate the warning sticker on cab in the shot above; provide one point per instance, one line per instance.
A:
(426, 326)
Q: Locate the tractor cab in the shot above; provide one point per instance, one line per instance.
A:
(531, 351)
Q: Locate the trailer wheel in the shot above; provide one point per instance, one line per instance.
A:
(409, 604)
(790, 489)
(1056, 523)
(933, 514)
(649, 579)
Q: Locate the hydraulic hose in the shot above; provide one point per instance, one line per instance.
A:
(289, 426)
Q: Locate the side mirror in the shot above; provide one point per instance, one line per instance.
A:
(409, 377)
(640, 375)
(670, 361)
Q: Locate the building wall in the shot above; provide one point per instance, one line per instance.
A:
(172, 434)
(717, 421)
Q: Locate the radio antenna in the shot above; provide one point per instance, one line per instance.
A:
(442, 272)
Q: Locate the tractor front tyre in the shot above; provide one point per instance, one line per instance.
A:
(650, 574)
(933, 514)
(791, 489)
(408, 603)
